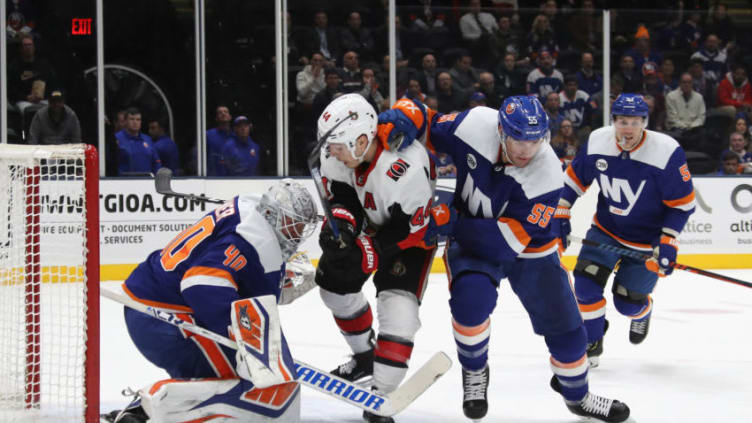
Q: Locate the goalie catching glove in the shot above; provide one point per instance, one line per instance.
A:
(664, 255)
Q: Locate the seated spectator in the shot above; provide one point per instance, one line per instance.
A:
(702, 84)
(738, 147)
(310, 80)
(714, 59)
(556, 22)
(30, 77)
(404, 40)
(21, 16)
(735, 92)
(352, 79)
(741, 126)
(464, 75)
(628, 74)
(541, 38)
(215, 141)
(476, 99)
(641, 51)
(477, 29)
(690, 31)
(322, 38)
(656, 116)
(403, 75)
(449, 99)
(427, 74)
(355, 37)
(166, 148)
(136, 153)
(544, 79)
(444, 165)
(241, 155)
(431, 102)
(565, 143)
(371, 91)
(55, 124)
(506, 39)
(333, 90)
(685, 109)
(729, 164)
(510, 78)
(413, 91)
(667, 77)
(574, 103)
(487, 86)
(555, 117)
(721, 24)
(651, 84)
(588, 79)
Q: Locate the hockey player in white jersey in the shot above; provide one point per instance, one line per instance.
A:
(508, 185)
(646, 197)
(224, 273)
(380, 202)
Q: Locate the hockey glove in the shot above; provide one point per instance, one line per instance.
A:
(369, 256)
(345, 221)
(440, 225)
(395, 130)
(664, 255)
(562, 216)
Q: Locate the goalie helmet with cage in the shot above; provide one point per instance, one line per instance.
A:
(290, 210)
(361, 120)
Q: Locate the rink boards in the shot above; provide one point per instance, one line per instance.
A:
(135, 220)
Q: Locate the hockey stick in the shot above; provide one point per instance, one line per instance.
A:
(163, 180)
(645, 257)
(314, 165)
(314, 378)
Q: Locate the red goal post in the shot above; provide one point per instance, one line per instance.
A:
(49, 283)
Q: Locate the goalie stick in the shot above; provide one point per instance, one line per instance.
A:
(645, 257)
(163, 182)
(320, 380)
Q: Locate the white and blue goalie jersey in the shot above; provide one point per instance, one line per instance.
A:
(643, 192)
(510, 208)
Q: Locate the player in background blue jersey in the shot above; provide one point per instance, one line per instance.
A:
(235, 252)
(646, 197)
(508, 185)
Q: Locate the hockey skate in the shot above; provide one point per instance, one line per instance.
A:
(475, 387)
(638, 329)
(595, 349)
(133, 413)
(595, 406)
(374, 418)
(358, 369)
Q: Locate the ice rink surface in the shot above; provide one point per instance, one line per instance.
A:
(694, 366)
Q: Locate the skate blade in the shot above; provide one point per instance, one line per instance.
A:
(364, 382)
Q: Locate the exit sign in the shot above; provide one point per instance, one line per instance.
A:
(81, 26)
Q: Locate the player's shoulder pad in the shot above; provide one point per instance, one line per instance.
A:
(542, 175)
(656, 150)
(479, 130)
(255, 230)
(602, 141)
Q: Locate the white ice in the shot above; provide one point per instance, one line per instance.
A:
(695, 365)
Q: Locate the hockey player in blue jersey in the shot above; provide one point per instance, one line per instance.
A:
(508, 185)
(646, 197)
(211, 274)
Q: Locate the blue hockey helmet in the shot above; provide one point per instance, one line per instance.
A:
(522, 118)
(630, 105)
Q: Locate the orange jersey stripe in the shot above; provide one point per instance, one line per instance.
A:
(210, 271)
(571, 365)
(517, 230)
(575, 179)
(593, 307)
(623, 241)
(471, 331)
(157, 304)
(680, 201)
(544, 247)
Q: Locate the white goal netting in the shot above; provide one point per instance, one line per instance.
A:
(48, 327)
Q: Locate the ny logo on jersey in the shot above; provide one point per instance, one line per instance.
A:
(476, 199)
(397, 169)
(612, 190)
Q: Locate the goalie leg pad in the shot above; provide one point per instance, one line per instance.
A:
(262, 356)
(177, 400)
(353, 316)
(634, 305)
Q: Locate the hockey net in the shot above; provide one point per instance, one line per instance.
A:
(49, 283)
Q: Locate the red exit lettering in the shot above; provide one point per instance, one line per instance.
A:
(81, 26)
